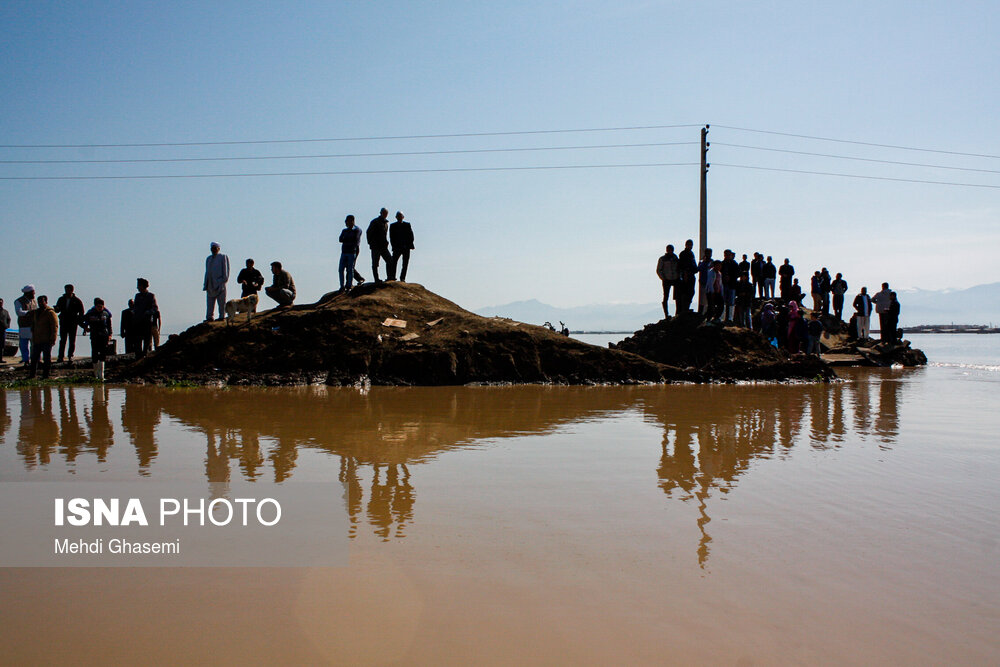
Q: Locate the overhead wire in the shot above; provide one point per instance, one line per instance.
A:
(876, 178)
(860, 143)
(372, 138)
(343, 173)
(491, 150)
(349, 155)
(861, 159)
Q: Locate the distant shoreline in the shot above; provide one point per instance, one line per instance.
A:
(921, 329)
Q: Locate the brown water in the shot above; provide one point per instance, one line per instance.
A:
(852, 523)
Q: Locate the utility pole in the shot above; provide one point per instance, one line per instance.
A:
(703, 218)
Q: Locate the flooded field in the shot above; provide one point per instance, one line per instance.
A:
(850, 523)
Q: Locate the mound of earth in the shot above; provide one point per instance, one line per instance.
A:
(388, 334)
(688, 342)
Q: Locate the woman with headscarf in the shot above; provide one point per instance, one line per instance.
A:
(768, 323)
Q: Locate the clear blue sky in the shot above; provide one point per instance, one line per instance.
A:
(910, 74)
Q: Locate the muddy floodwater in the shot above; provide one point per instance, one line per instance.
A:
(853, 523)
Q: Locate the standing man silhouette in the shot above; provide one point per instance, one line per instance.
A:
(668, 271)
(378, 243)
(70, 309)
(401, 237)
(216, 277)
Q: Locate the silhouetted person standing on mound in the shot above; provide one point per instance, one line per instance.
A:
(863, 312)
(667, 271)
(882, 301)
(401, 237)
(70, 310)
(770, 272)
(350, 241)
(127, 328)
(687, 269)
(824, 288)
(838, 288)
(97, 323)
(44, 332)
(785, 273)
(893, 318)
(378, 242)
(757, 274)
(24, 308)
(144, 311)
(704, 266)
(216, 277)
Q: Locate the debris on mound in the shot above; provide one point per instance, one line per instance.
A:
(731, 353)
(870, 352)
(387, 334)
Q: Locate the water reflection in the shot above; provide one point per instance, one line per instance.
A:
(711, 435)
(378, 435)
(140, 418)
(714, 435)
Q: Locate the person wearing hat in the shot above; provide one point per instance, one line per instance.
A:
(401, 238)
(71, 310)
(24, 309)
(216, 277)
(144, 312)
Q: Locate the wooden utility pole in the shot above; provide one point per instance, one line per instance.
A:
(703, 218)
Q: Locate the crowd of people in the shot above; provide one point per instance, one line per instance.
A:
(727, 290)
(40, 325)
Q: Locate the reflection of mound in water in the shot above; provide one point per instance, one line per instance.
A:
(720, 352)
(712, 435)
(390, 334)
(378, 435)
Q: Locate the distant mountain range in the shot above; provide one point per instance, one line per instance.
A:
(975, 305)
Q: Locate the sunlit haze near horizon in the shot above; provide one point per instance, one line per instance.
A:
(882, 78)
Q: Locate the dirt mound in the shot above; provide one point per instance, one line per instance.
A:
(730, 353)
(389, 334)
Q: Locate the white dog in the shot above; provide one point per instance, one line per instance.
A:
(247, 304)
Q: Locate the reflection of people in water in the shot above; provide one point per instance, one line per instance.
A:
(887, 417)
(283, 458)
(41, 435)
(102, 433)
(710, 441)
(38, 432)
(861, 405)
(349, 476)
(140, 417)
(216, 456)
(73, 437)
(4, 413)
(390, 502)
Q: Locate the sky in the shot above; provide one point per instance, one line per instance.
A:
(82, 79)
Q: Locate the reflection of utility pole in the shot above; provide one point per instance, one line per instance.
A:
(703, 218)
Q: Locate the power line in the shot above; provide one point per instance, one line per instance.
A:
(405, 136)
(346, 155)
(861, 159)
(860, 143)
(345, 173)
(875, 178)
